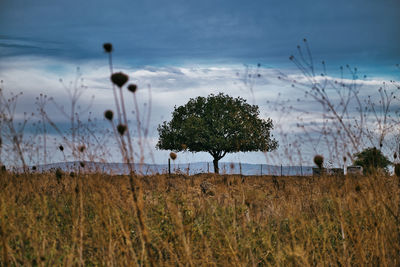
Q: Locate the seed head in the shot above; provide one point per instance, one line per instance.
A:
(81, 148)
(319, 160)
(132, 87)
(119, 79)
(82, 164)
(61, 148)
(172, 155)
(108, 114)
(395, 155)
(107, 47)
(121, 128)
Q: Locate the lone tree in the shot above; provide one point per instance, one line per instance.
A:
(371, 159)
(217, 124)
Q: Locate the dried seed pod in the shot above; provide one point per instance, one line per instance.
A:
(107, 47)
(172, 155)
(121, 128)
(132, 88)
(119, 79)
(61, 148)
(319, 160)
(108, 114)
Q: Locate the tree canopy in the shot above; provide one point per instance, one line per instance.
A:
(371, 159)
(217, 124)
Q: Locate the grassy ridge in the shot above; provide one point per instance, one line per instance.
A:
(257, 221)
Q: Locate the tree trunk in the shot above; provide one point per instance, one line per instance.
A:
(216, 168)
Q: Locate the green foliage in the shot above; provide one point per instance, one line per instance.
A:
(371, 159)
(217, 124)
(397, 169)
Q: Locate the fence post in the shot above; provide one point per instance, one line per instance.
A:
(261, 169)
(240, 168)
(208, 167)
(169, 166)
(281, 169)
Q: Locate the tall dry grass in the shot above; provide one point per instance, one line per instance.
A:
(255, 221)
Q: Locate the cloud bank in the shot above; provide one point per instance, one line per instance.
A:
(166, 87)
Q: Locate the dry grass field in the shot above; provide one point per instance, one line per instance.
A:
(203, 220)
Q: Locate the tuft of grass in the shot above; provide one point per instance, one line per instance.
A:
(88, 219)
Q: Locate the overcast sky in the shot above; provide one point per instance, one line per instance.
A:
(188, 48)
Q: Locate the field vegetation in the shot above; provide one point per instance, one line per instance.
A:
(212, 220)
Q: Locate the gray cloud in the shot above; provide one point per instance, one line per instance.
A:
(153, 32)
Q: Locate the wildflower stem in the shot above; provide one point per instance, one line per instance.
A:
(139, 127)
(130, 153)
(114, 89)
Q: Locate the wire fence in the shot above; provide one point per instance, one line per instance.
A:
(178, 168)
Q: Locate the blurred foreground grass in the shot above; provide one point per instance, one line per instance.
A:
(199, 220)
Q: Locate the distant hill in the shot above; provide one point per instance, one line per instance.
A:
(188, 168)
